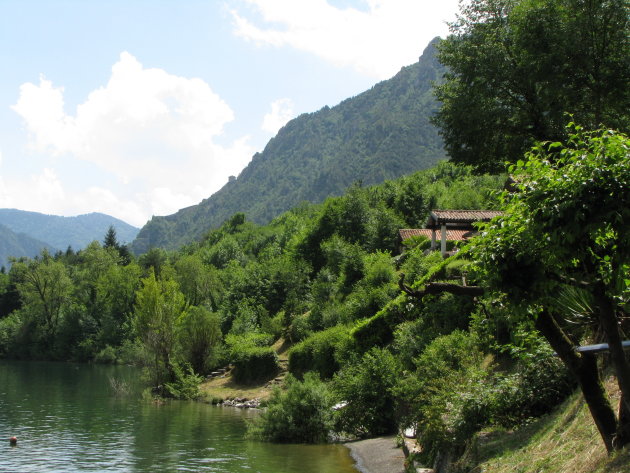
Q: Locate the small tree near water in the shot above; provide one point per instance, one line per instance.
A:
(159, 304)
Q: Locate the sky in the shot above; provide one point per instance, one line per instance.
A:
(136, 108)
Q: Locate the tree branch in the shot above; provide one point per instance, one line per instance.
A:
(439, 288)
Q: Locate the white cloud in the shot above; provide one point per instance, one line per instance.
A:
(376, 42)
(153, 131)
(281, 112)
(42, 191)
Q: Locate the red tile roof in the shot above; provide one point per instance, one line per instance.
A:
(451, 235)
(460, 217)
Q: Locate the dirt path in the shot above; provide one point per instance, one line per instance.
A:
(378, 455)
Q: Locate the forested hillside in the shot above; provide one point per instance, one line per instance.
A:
(15, 245)
(383, 336)
(62, 232)
(380, 134)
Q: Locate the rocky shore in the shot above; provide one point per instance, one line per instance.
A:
(241, 403)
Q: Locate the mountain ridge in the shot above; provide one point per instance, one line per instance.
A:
(61, 232)
(382, 133)
(16, 245)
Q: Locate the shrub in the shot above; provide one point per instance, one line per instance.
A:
(318, 353)
(254, 364)
(538, 384)
(251, 339)
(186, 384)
(367, 388)
(300, 414)
(199, 334)
(300, 327)
(107, 355)
(10, 327)
(436, 397)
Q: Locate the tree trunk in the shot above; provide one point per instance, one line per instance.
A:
(584, 368)
(609, 323)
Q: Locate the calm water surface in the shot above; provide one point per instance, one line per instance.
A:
(67, 419)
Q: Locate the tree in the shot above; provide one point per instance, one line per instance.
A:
(44, 288)
(199, 333)
(518, 66)
(199, 283)
(567, 228)
(159, 304)
(110, 240)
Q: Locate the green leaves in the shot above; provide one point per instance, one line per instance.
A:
(569, 217)
(518, 66)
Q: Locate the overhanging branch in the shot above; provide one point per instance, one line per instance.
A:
(439, 288)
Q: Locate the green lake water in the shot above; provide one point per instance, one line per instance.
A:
(68, 419)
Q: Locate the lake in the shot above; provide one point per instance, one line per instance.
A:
(67, 418)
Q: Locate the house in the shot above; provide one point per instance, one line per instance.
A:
(453, 225)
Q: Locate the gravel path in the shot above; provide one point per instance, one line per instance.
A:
(378, 455)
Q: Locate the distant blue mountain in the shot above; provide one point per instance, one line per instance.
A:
(61, 232)
(17, 245)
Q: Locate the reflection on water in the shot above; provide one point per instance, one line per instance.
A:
(67, 418)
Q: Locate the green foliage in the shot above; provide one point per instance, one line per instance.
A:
(539, 382)
(516, 68)
(199, 335)
(10, 327)
(383, 133)
(159, 304)
(199, 283)
(302, 413)
(568, 218)
(185, 385)
(366, 388)
(254, 364)
(44, 288)
(434, 397)
(319, 352)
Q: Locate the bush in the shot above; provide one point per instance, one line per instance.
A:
(251, 339)
(367, 388)
(107, 355)
(10, 327)
(301, 414)
(254, 364)
(439, 397)
(318, 353)
(186, 384)
(538, 384)
(300, 327)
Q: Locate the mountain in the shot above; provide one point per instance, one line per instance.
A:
(14, 244)
(61, 232)
(381, 134)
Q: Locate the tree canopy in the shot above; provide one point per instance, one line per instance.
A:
(561, 255)
(517, 67)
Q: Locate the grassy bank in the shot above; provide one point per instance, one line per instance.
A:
(565, 441)
(226, 388)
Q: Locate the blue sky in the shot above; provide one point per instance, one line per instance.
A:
(137, 108)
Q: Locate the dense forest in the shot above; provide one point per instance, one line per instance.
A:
(384, 334)
(383, 133)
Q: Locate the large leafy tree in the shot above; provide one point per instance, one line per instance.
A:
(44, 289)
(159, 304)
(518, 66)
(566, 230)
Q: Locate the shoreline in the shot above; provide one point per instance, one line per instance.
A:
(377, 455)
